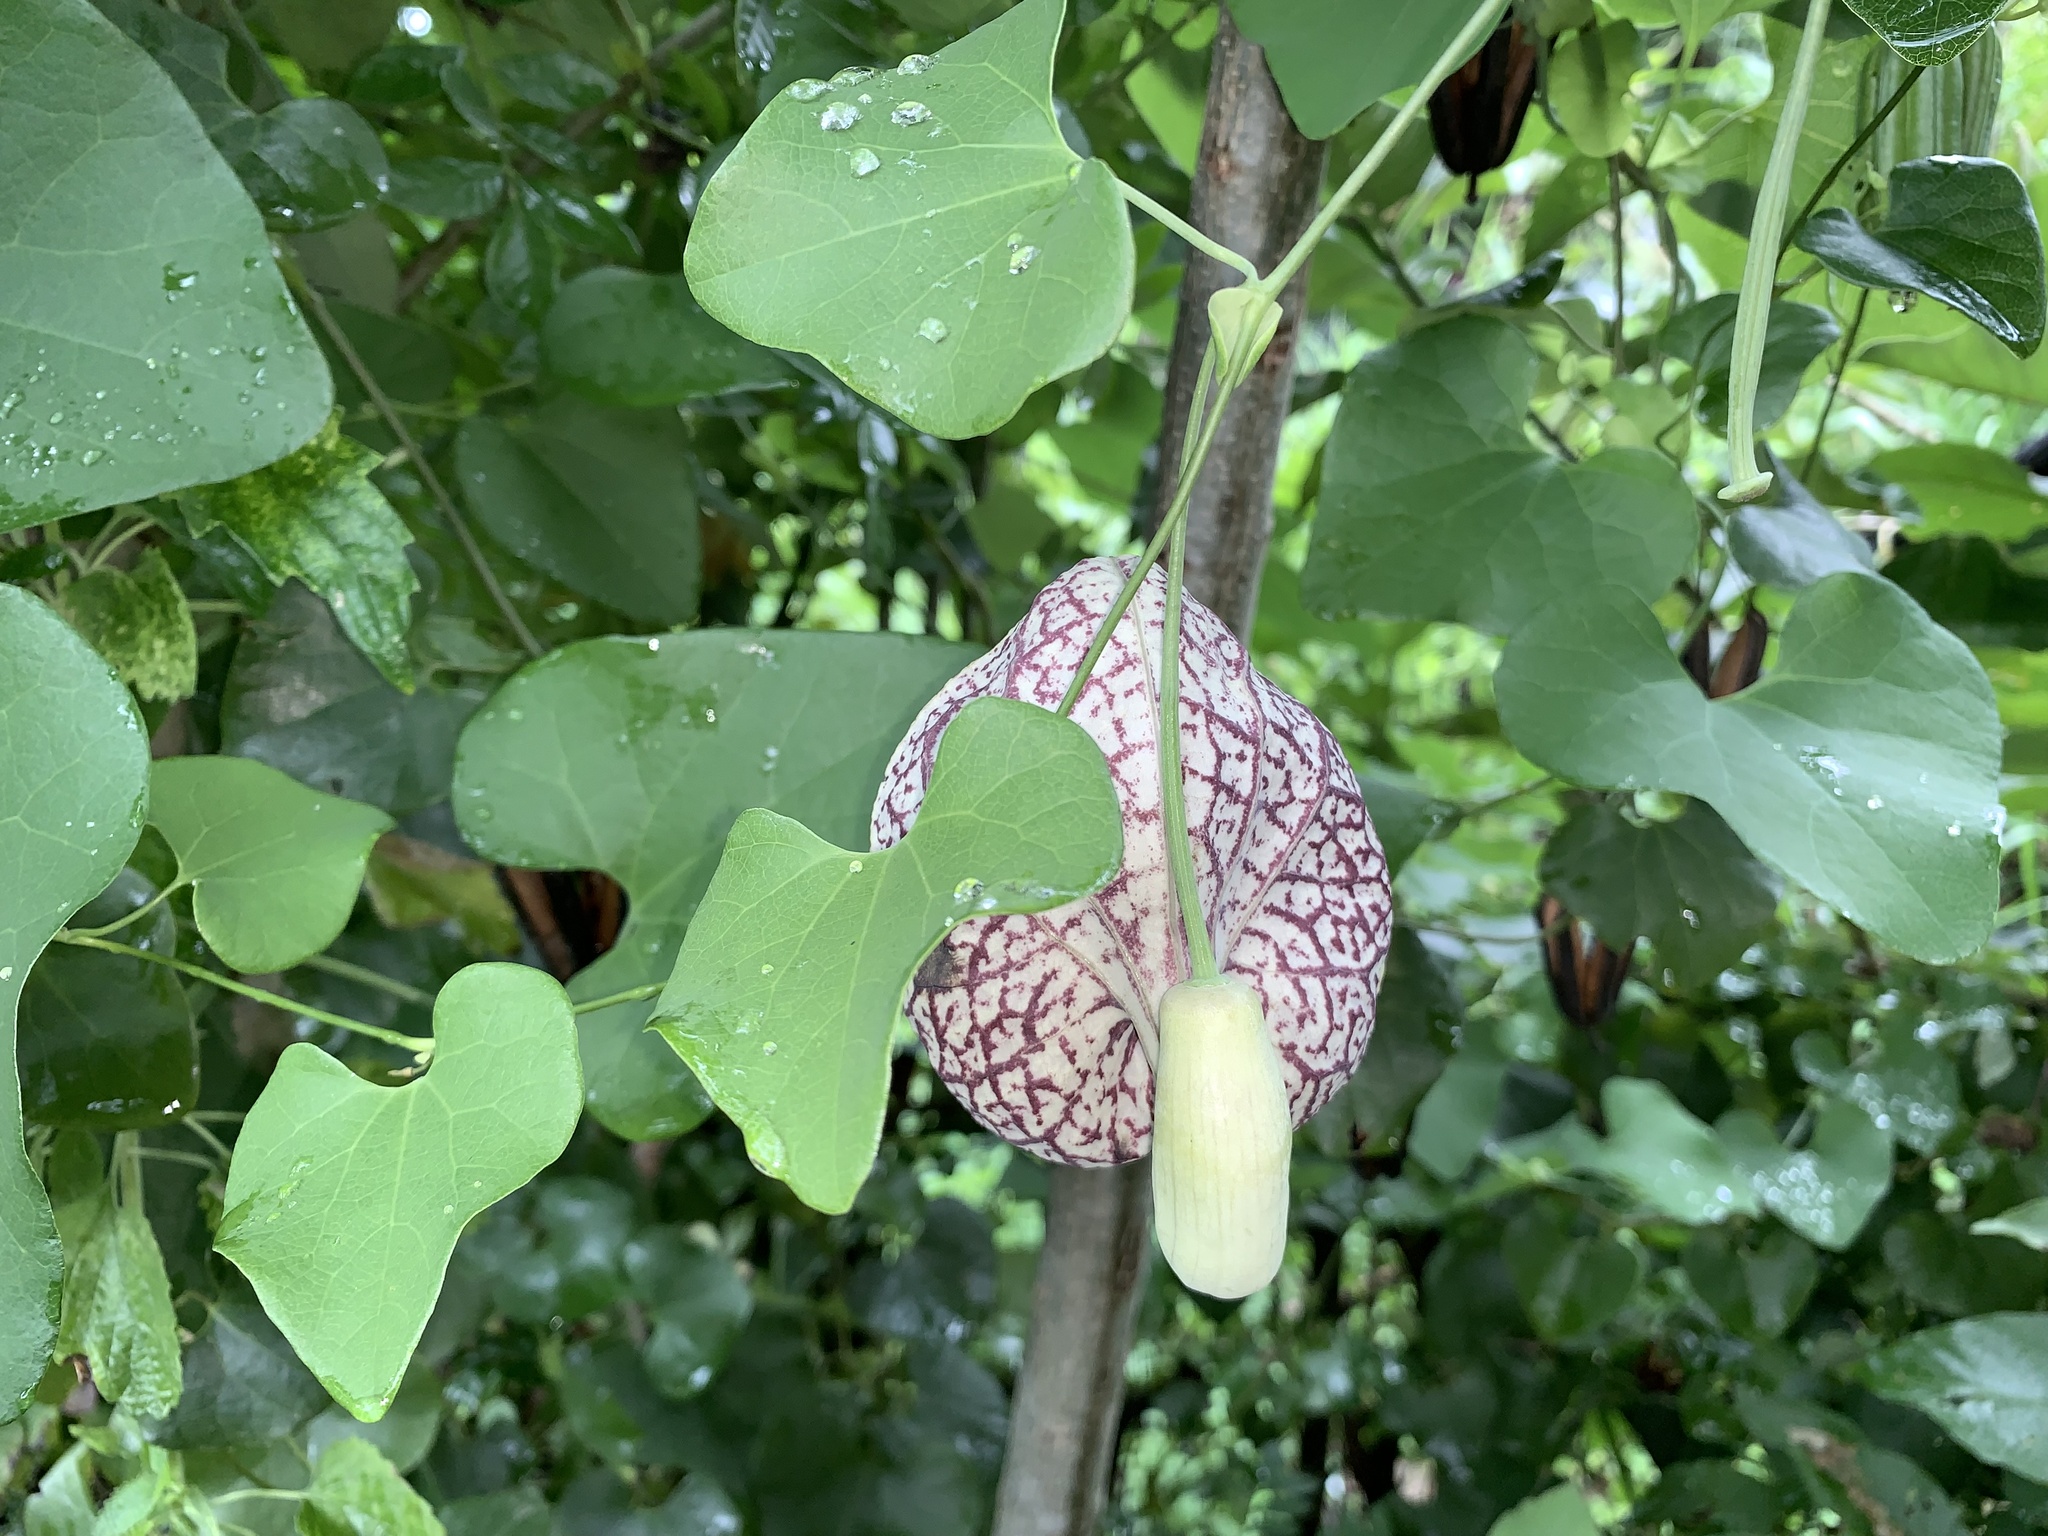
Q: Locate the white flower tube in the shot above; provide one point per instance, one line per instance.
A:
(1221, 1136)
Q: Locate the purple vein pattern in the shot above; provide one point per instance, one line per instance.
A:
(1045, 1026)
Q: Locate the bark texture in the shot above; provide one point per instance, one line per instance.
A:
(1255, 189)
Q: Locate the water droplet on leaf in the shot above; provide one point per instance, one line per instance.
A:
(914, 64)
(1022, 258)
(866, 162)
(807, 90)
(911, 112)
(931, 328)
(838, 117)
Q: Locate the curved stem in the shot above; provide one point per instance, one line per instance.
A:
(362, 975)
(256, 994)
(1463, 46)
(1753, 312)
(122, 922)
(630, 995)
(1187, 231)
(1827, 406)
(1180, 853)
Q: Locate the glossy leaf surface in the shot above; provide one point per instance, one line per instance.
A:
(792, 976)
(1983, 1379)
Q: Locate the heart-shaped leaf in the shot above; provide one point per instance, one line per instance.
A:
(344, 1199)
(634, 756)
(1665, 1156)
(274, 866)
(1687, 885)
(355, 1490)
(923, 231)
(1334, 58)
(1435, 505)
(621, 337)
(1864, 767)
(605, 500)
(74, 762)
(1959, 229)
(1588, 86)
(1983, 1379)
(147, 341)
(1827, 1189)
(792, 976)
(1927, 31)
(1906, 1086)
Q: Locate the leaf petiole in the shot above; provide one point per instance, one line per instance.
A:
(364, 976)
(414, 1043)
(1180, 855)
(1187, 231)
(612, 1000)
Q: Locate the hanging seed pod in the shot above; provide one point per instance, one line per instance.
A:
(1050, 1028)
(1585, 975)
(1476, 115)
(1742, 659)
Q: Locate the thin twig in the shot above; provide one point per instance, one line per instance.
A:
(457, 523)
(1384, 254)
(612, 1000)
(362, 975)
(1617, 351)
(1820, 427)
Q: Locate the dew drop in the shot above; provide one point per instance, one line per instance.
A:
(853, 75)
(1955, 829)
(1022, 257)
(91, 456)
(768, 1047)
(866, 162)
(838, 117)
(766, 968)
(910, 113)
(1875, 803)
(914, 64)
(807, 90)
(55, 417)
(931, 328)
(8, 402)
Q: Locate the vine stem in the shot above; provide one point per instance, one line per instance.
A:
(1753, 309)
(316, 306)
(1863, 137)
(1187, 231)
(630, 995)
(1461, 48)
(413, 1043)
(1827, 406)
(1180, 853)
(348, 970)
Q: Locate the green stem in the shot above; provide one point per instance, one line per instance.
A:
(122, 922)
(296, 1495)
(1187, 231)
(1753, 311)
(1827, 406)
(457, 524)
(1842, 160)
(255, 994)
(1180, 853)
(1616, 347)
(1462, 47)
(630, 995)
(364, 976)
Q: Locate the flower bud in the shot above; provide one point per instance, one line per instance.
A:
(1221, 1134)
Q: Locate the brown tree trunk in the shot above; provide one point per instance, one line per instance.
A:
(1255, 189)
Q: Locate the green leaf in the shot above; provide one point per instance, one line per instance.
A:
(1455, 1118)
(72, 776)
(1560, 1512)
(1665, 1156)
(697, 1301)
(1907, 1086)
(944, 252)
(442, 187)
(243, 1385)
(1969, 588)
(1567, 200)
(117, 1310)
(793, 973)
(308, 163)
(1418, 1013)
(604, 500)
(1569, 1285)
(274, 866)
(193, 55)
(107, 1041)
(1687, 885)
(622, 337)
(1927, 31)
(356, 1492)
(1864, 766)
(1983, 1379)
(1826, 1190)
(315, 515)
(1588, 86)
(302, 699)
(137, 620)
(1333, 59)
(1942, 1269)
(344, 1199)
(1790, 540)
(148, 341)
(1959, 229)
(1964, 489)
(403, 1436)
(1703, 334)
(1404, 815)
(634, 757)
(1435, 505)
(2026, 1222)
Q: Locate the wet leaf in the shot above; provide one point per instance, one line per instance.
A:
(1907, 1086)
(308, 163)
(243, 1385)
(1927, 31)
(1983, 1379)
(697, 1302)
(1826, 1190)
(793, 973)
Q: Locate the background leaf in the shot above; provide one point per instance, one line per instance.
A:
(1882, 807)
(786, 1021)
(1983, 1379)
(621, 337)
(72, 772)
(1826, 1190)
(1964, 489)
(368, 1187)
(138, 621)
(117, 1310)
(938, 246)
(635, 756)
(1332, 60)
(147, 342)
(1435, 504)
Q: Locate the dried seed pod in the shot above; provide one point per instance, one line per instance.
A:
(1585, 975)
(1047, 1027)
(1476, 115)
